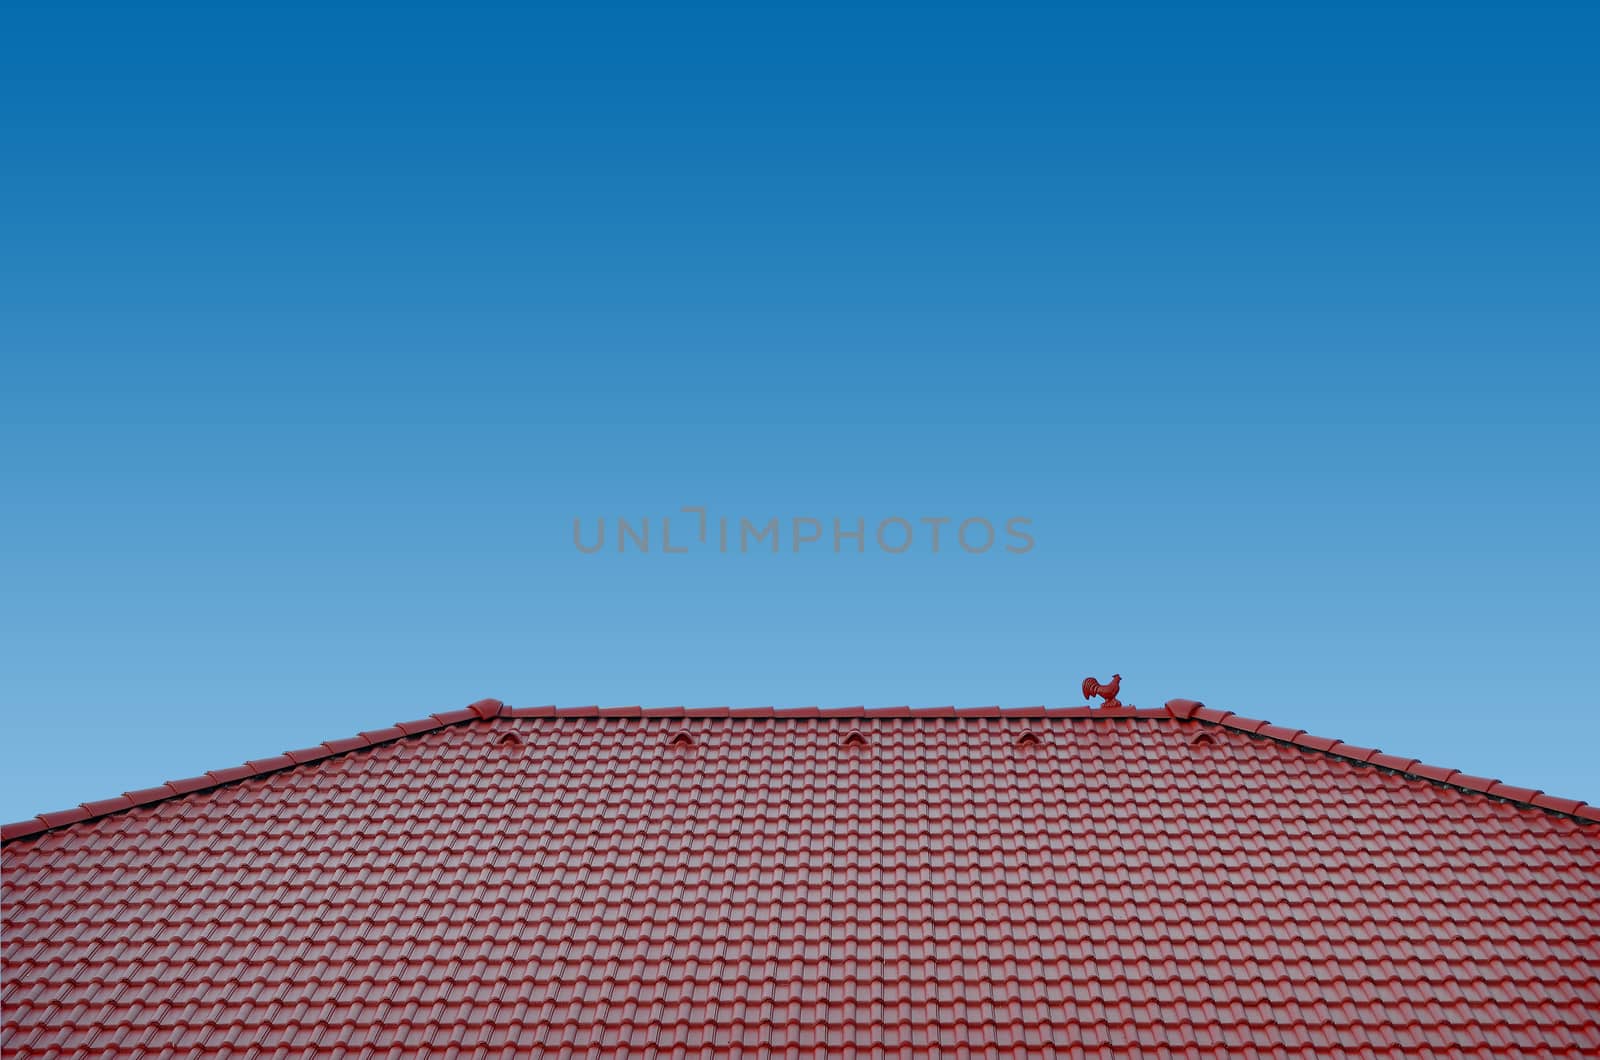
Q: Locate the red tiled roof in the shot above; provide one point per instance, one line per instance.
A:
(500, 882)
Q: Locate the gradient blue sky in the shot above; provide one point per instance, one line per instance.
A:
(321, 324)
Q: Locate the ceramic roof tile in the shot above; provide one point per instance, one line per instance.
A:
(504, 882)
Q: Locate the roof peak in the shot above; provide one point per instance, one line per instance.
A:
(552, 711)
(1180, 710)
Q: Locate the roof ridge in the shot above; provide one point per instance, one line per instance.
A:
(485, 709)
(834, 712)
(1194, 710)
(482, 710)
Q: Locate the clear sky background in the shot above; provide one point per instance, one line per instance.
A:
(322, 324)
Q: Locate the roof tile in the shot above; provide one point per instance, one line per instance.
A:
(145, 795)
(61, 818)
(19, 829)
(188, 784)
(309, 754)
(1183, 709)
(1515, 794)
(486, 708)
(267, 765)
(1251, 725)
(773, 896)
(1345, 750)
(411, 728)
(1392, 762)
(112, 805)
(1559, 805)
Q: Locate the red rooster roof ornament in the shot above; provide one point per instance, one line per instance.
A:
(1107, 692)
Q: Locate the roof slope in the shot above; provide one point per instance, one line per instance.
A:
(1105, 883)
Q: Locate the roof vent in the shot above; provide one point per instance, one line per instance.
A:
(680, 741)
(509, 742)
(1029, 741)
(854, 740)
(1203, 740)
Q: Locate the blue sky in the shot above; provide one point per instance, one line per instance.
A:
(322, 324)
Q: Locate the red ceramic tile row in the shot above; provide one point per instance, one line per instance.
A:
(635, 883)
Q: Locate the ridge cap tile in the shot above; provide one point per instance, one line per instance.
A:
(57, 818)
(1182, 709)
(411, 728)
(1351, 751)
(22, 829)
(487, 708)
(142, 796)
(1556, 803)
(309, 754)
(188, 784)
(1510, 791)
(99, 807)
